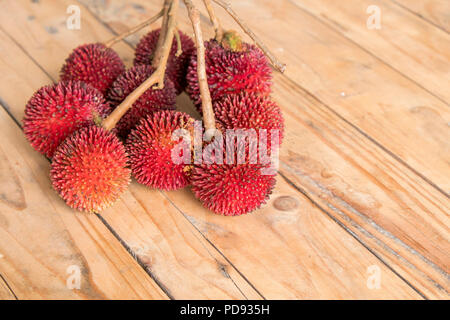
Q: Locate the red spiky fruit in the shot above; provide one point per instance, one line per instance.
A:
(89, 169)
(249, 111)
(56, 111)
(151, 100)
(176, 66)
(150, 148)
(94, 64)
(231, 189)
(230, 68)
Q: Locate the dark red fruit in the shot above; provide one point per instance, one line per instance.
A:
(176, 66)
(230, 71)
(151, 100)
(56, 111)
(150, 148)
(249, 111)
(231, 189)
(94, 64)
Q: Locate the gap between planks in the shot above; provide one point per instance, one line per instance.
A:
(423, 16)
(5, 107)
(6, 293)
(133, 254)
(204, 18)
(333, 25)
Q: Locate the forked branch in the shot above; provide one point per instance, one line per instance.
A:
(162, 33)
(156, 77)
(207, 109)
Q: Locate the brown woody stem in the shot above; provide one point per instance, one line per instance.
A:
(179, 47)
(156, 77)
(162, 33)
(214, 20)
(207, 109)
(277, 64)
(135, 29)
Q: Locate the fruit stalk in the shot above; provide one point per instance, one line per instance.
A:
(156, 77)
(214, 20)
(135, 29)
(164, 26)
(179, 47)
(207, 109)
(277, 64)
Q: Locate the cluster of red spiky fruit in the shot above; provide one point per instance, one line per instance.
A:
(92, 166)
(232, 66)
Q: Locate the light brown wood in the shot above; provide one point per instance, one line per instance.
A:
(355, 182)
(145, 205)
(41, 238)
(391, 109)
(178, 259)
(434, 11)
(390, 209)
(404, 41)
(343, 206)
(5, 292)
(290, 249)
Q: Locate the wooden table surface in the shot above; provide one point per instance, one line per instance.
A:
(361, 207)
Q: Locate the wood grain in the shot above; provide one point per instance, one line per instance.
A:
(173, 258)
(388, 207)
(391, 209)
(310, 266)
(41, 238)
(404, 41)
(295, 147)
(5, 292)
(436, 12)
(303, 255)
(391, 109)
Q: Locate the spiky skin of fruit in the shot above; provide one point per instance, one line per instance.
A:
(231, 189)
(176, 66)
(94, 64)
(89, 170)
(230, 72)
(56, 111)
(249, 111)
(151, 100)
(150, 149)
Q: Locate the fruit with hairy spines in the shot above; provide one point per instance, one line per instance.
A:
(89, 169)
(94, 64)
(231, 67)
(231, 188)
(56, 111)
(176, 66)
(151, 144)
(151, 100)
(248, 110)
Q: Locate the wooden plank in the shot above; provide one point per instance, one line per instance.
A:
(108, 18)
(183, 262)
(361, 186)
(44, 244)
(434, 11)
(173, 250)
(391, 109)
(5, 292)
(392, 210)
(404, 41)
(290, 250)
(315, 266)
